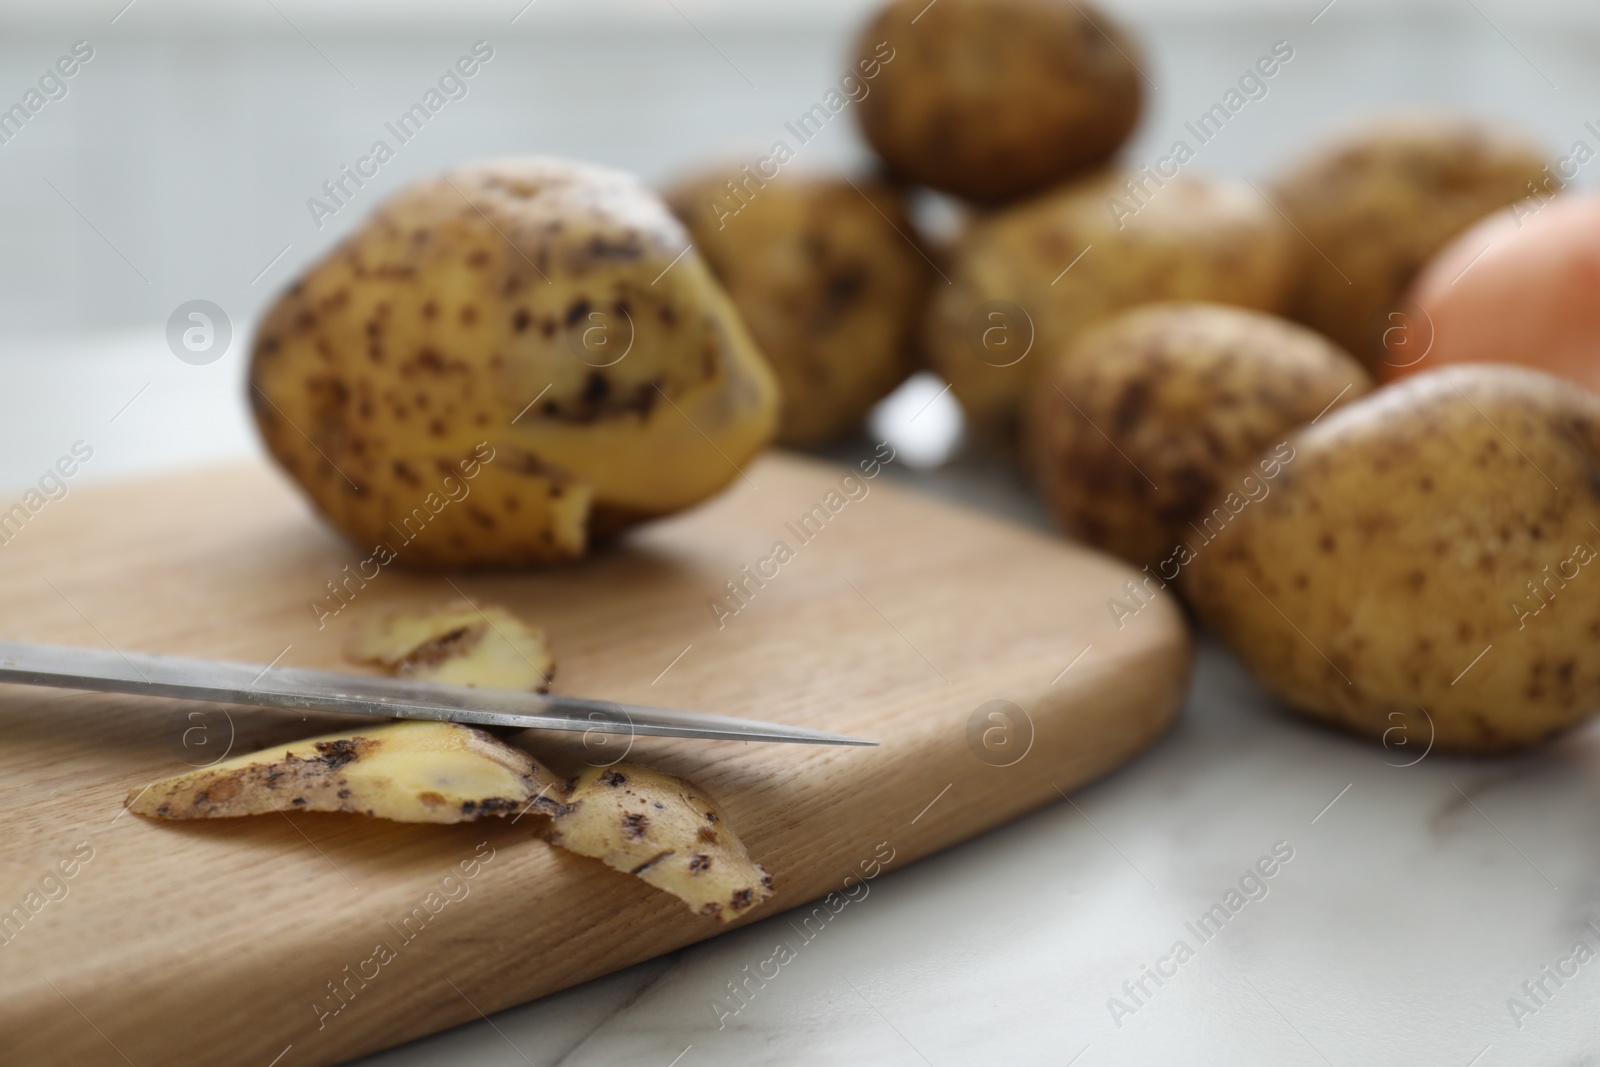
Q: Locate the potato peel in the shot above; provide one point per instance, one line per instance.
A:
(658, 827)
(480, 645)
(664, 830)
(409, 771)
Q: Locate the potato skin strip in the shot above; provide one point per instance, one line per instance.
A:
(662, 829)
(665, 831)
(412, 771)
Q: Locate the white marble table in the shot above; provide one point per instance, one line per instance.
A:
(1418, 899)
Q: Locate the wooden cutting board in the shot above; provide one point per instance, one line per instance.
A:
(899, 618)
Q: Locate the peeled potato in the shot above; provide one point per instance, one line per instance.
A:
(506, 362)
(1427, 569)
(1379, 200)
(825, 273)
(1029, 279)
(1158, 413)
(994, 99)
(1522, 286)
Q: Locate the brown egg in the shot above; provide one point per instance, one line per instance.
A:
(1522, 286)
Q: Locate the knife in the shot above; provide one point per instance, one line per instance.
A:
(64, 667)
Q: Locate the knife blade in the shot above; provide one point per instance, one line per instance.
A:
(297, 689)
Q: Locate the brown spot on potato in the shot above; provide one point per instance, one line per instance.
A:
(624, 248)
(222, 791)
(1131, 406)
(403, 471)
(841, 290)
(652, 861)
(334, 754)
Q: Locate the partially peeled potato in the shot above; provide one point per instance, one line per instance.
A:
(506, 362)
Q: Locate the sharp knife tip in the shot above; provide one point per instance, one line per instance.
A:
(842, 739)
(812, 737)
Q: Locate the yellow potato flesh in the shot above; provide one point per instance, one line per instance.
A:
(484, 646)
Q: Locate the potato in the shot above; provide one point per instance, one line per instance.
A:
(1383, 198)
(994, 99)
(1157, 412)
(825, 275)
(1027, 280)
(1519, 287)
(1421, 571)
(505, 362)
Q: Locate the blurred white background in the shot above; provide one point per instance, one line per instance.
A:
(180, 161)
(183, 154)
